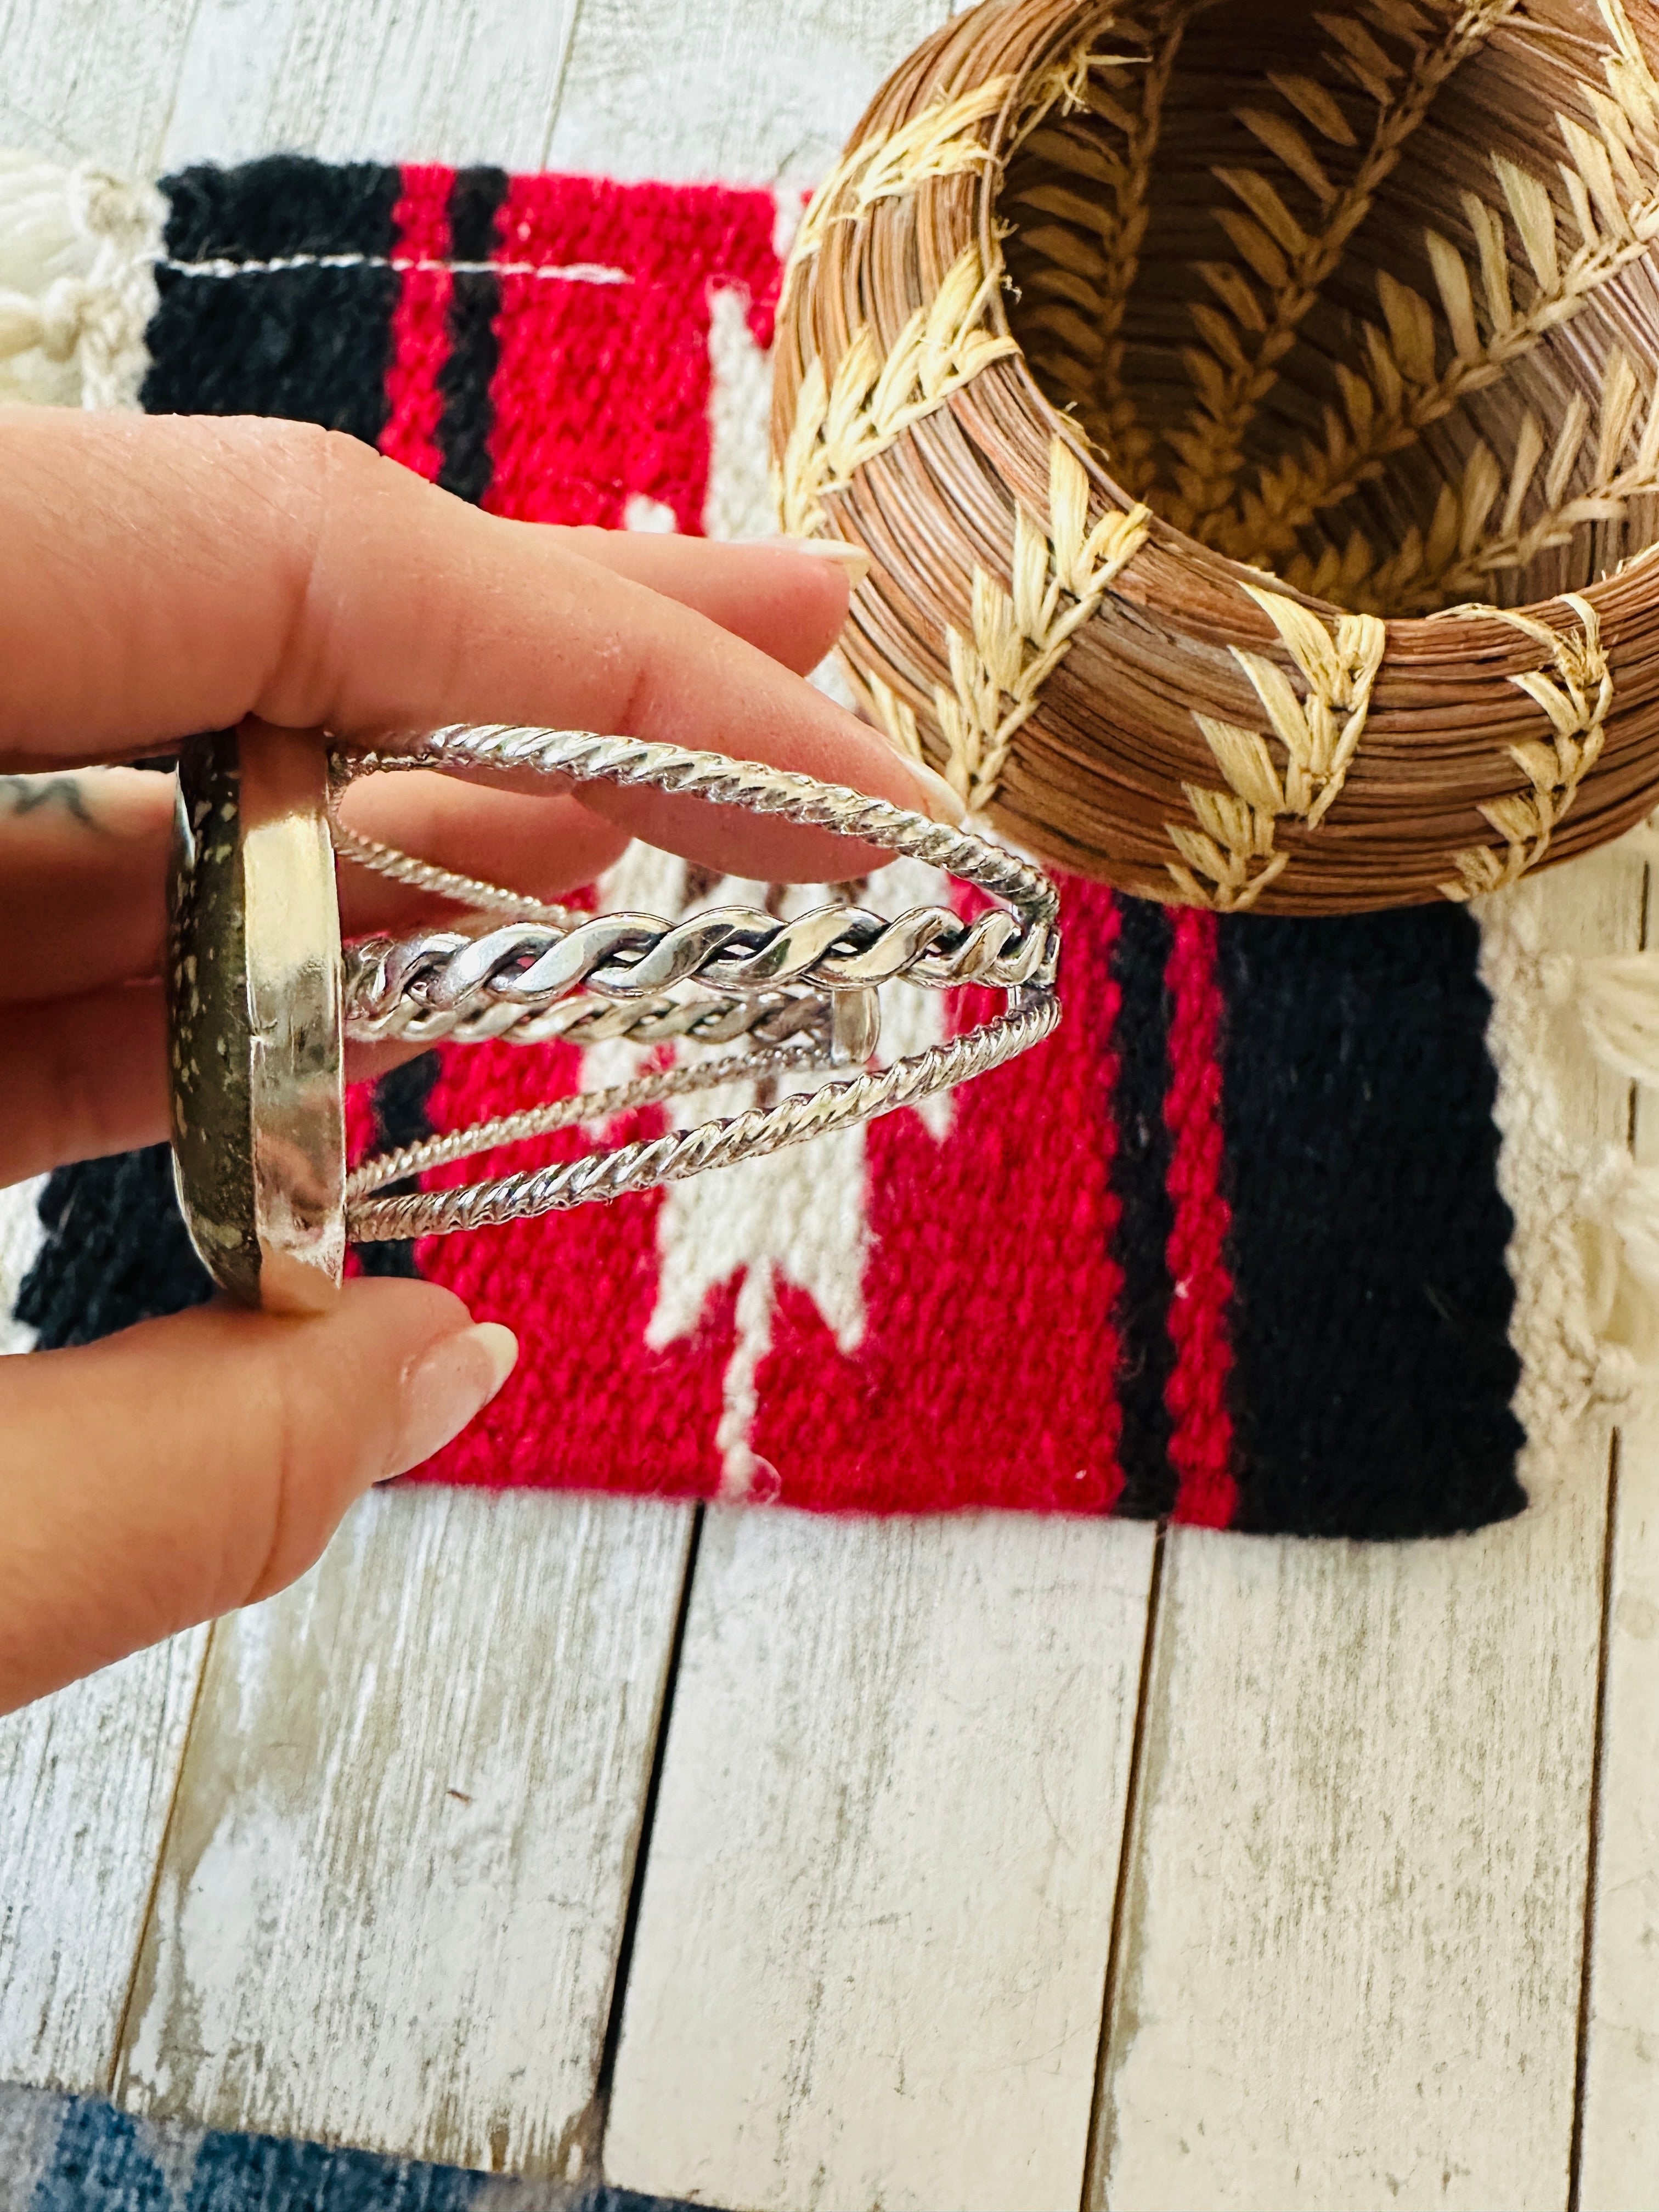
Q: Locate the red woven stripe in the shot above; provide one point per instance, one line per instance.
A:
(986, 1373)
(590, 1404)
(1201, 1444)
(420, 322)
(601, 389)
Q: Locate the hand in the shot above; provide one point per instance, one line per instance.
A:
(165, 575)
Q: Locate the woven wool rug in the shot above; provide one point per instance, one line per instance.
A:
(81, 2154)
(1274, 1234)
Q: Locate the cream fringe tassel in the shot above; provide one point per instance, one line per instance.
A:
(1585, 1252)
(78, 282)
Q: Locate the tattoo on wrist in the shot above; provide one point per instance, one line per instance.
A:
(29, 794)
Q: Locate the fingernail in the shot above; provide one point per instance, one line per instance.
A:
(446, 1386)
(853, 558)
(940, 802)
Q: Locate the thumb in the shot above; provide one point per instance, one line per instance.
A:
(197, 1463)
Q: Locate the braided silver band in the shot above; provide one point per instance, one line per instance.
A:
(804, 991)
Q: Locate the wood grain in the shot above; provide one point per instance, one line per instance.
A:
(1353, 1932)
(739, 90)
(91, 79)
(373, 80)
(462, 1944)
(870, 1959)
(1620, 2162)
(86, 1781)
(878, 1900)
(389, 1910)
(1351, 1946)
(1619, 2165)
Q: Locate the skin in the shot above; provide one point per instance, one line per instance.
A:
(163, 576)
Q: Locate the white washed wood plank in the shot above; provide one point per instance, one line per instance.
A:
(739, 90)
(1620, 2166)
(91, 79)
(1618, 2169)
(1354, 1918)
(86, 1779)
(390, 1907)
(371, 80)
(877, 1908)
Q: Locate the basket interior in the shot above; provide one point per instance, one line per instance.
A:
(1362, 297)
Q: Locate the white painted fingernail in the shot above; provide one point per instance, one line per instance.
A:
(853, 558)
(451, 1383)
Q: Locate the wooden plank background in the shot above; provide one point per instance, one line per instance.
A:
(882, 1877)
(1385, 1929)
(392, 1894)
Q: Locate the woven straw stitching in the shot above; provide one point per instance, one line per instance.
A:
(1576, 700)
(1060, 576)
(1246, 338)
(1104, 274)
(1388, 408)
(1320, 736)
(844, 420)
(1456, 556)
(941, 141)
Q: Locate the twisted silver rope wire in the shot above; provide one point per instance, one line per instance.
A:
(582, 754)
(768, 1017)
(731, 951)
(716, 1144)
(518, 980)
(427, 876)
(647, 1089)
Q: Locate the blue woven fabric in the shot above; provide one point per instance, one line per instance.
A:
(79, 2154)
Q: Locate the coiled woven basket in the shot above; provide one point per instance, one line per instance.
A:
(1251, 410)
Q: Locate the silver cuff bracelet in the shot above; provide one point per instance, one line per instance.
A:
(262, 997)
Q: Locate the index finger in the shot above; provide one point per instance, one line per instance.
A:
(164, 574)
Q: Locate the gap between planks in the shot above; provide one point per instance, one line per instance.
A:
(1616, 2163)
(148, 1917)
(392, 1894)
(1353, 1935)
(1119, 1898)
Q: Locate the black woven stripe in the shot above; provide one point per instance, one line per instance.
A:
(400, 1118)
(1140, 1172)
(1371, 1321)
(116, 1251)
(463, 428)
(267, 209)
(309, 344)
(468, 417)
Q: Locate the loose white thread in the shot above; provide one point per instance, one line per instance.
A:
(567, 272)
